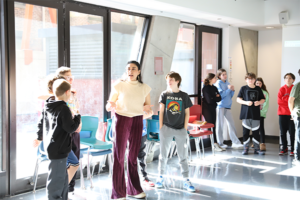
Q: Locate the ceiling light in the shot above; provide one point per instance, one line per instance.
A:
(269, 27)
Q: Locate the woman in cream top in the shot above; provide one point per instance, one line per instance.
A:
(130, 99)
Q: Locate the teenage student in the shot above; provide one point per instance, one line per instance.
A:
(226, 91)
(173, 122)
(56, 126)
(285, 120)
(211, 97)
(263, 112)
(250, 97)
(294, 106)
(130, 100)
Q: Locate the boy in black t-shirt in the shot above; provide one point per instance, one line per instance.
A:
(251, 97)
(173, 122)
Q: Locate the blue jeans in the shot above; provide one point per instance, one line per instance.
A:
(297, 138)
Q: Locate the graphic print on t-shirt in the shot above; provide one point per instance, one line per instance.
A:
(174, 105)
(252, 95)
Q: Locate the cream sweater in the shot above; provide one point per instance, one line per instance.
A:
(131, 96)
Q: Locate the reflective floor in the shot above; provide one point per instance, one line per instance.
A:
(227, 175)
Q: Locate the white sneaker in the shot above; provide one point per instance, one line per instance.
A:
(237, 146)
(223, 146)
(217, 147)
(139, 196)
(296, 162)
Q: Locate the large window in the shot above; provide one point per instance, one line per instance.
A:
(86, 46)
(36, 52)
(184, 57)
(126, 38)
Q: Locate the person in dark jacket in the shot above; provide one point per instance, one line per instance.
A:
(211, 96)
(54, 128)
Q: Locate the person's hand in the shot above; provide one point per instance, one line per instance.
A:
(229, 87)
(36, 143)
(74, 91)
(147, 109)
(256, 103)
(112, 105)
(232, 87)
(217, 95)
(249, 103)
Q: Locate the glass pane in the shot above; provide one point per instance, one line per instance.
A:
(184, 57)
(126, 37)
(86, 37)
(36, 54)
(209, 54)
(1, 134)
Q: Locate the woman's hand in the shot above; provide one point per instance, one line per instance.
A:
(147, 109)
(111, 105)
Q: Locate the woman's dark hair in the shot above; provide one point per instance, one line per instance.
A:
(219, 72)
(139, 77)
(263, 86)
(209, 77)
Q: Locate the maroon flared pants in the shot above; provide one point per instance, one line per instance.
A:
(126, 129)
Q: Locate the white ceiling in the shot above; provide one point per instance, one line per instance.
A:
(251, 14)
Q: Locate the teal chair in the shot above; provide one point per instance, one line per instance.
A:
(97, 148)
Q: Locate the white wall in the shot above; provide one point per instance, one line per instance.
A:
(232, 51)
(290, 55)
(269, 68)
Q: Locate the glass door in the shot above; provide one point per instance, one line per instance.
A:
(86, 36)
(34, 52)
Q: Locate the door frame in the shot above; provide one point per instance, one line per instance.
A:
(20, 185)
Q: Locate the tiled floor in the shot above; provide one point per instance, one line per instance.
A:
(227, 175)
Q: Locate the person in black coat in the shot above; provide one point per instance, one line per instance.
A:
(211, 96)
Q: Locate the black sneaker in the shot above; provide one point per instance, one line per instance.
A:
(71, 189)
(245, 152)
(259, 152)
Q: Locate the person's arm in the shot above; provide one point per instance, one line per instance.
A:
(222, 92)
(39, 139)
(69, 124)
(111, 103)
(161, 115)
(260, 102)
(148, 112)
(209, 97)
(280, 100)
(265, 107)
(186, 118)
(241, 101)
(218, 97)
(291, 103)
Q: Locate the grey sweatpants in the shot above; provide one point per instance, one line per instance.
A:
(58, 182)
(166, 137)
(222, 115)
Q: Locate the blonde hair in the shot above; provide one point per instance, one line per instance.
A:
(62, 70)
(60, 86)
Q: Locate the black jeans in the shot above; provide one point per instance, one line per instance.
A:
(142, 155)
(76, 150)
(210, 116)
(262, 130)
(297, 138)
(286, 124)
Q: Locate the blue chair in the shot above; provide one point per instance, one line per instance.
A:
(153, 128)
(41, 157)
(97, 148)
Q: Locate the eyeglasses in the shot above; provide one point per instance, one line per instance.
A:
(70, 77)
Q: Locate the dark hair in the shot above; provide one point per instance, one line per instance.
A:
(209, 77)
(250, 76)
(219, 72)
(174, 75)
(290, 74)
(263, 86)
(299, 72)
(51, 80)
(139, 77)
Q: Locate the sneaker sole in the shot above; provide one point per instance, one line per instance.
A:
(283, 154)
(219, 150)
